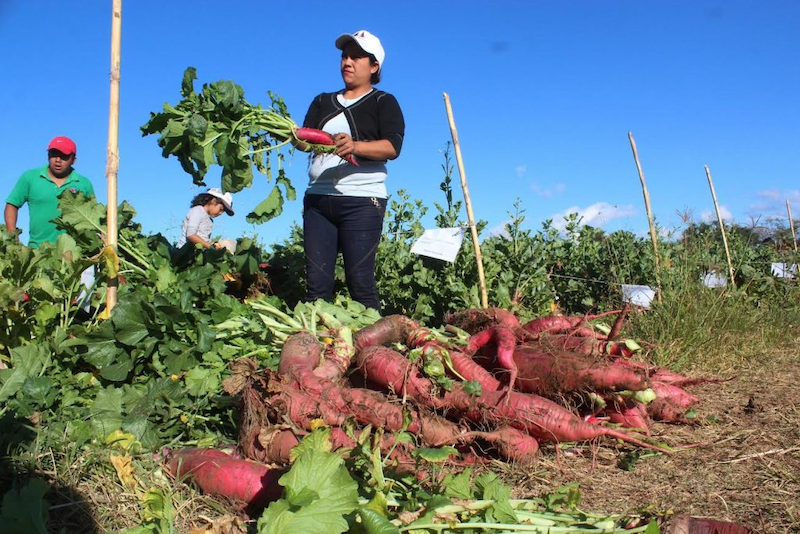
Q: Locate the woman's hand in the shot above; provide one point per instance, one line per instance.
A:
(344, 145)
(378, 150)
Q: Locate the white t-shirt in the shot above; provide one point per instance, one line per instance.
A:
(197, 222)
(331, 175)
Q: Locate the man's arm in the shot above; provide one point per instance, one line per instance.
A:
(11, 218)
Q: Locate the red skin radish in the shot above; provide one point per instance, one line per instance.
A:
(582, 345)
(512, 444)
(684, 524)
(616, 348)
(470, 370)
(243, 480)
(318, 137)
(561, 323)
(505, 342)
(671, 403)
(551, 323)
(665, 376)
(616, 328)
(553, 373)
(389, 329)
(337, 359)
(300, 353)
(538, 416)
(631, 414)
(391, 370)
(476, 319)
(314, 136)
(318, 399)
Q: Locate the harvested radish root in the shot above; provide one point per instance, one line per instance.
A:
(406, 390)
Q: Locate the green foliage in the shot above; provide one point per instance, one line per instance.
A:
(24, 509)
(319, 492)
(153, 367)
(217, 126)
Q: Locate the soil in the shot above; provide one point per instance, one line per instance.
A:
(746, 468)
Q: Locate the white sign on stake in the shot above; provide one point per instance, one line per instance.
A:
(638, 295)
(439, 243)
(714, 279)
(784, 270)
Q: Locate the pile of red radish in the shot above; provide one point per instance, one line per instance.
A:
(535, 387)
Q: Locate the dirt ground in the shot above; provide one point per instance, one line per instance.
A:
(747, 469)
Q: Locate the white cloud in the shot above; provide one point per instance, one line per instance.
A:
(772, 202)
(500, 230)
(521, 170)
(597, 215)
(556, 189)
(711, 216)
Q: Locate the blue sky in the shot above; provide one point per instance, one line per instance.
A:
(543, 93)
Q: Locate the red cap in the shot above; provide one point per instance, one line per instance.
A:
(65, 145)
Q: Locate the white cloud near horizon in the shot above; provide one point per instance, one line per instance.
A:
(711, 216)
(597, 214)
(499, 229)
(556, 189)
(772, 202)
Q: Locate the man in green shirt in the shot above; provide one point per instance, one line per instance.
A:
(41, 187)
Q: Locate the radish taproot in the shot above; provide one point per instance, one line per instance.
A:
(320, 138)
(540, 417)
(220, 474)
(552, 373)
(314, 136)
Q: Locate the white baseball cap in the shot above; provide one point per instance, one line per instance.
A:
(368, 43)
(226, 198)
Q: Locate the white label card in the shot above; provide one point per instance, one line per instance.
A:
(784, 270)
(638, 295)
(440, 243)
(714, 279)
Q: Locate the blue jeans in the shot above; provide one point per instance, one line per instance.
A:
(351, 225)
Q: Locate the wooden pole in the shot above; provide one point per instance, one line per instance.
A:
(467, 201)
(721, 226)
(653, 236)
(112, 162)
(791, 224)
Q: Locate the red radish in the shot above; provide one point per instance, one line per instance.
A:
(561, 323)
(538, 416)
(671, 403)
(389, 329)
(616, 328)
(319, 137)
(553, 373)
(314, 136)
(587, 346)
(665, 376)
(470, 370)
(505, 342)
(219, 474)
(300, 352)
(477, 319)
(631, 414)
(512, 444)
(684, 524)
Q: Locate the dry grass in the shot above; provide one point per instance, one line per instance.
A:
(747, 471)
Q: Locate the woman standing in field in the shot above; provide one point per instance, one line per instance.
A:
(344, 204)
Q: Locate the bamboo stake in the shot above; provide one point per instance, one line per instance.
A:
(467, 201)
(653, 236)
(721, 226)
(791, 224)
(112, 162)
